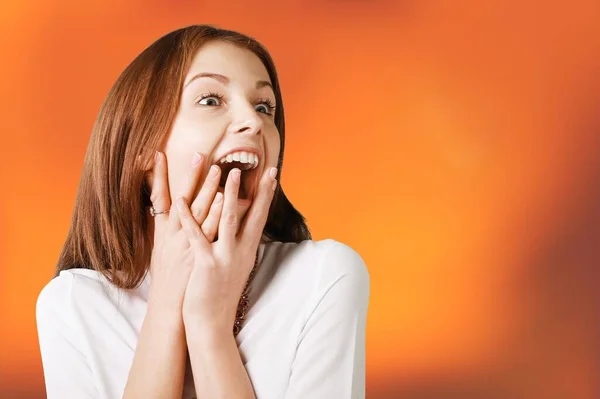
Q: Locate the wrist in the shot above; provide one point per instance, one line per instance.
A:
(164, 327)
(164, 313)
(205, 334)
(164, 302)
(207, 322)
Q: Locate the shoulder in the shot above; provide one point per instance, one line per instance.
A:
(79, 282)
(332, 258)
(55, 306)
(340, 256)
(342, 265)
(321, 264)
(71, 290)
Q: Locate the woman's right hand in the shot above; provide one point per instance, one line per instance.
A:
(170, 268)
(158, 366)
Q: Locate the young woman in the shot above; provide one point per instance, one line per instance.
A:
(186, 271)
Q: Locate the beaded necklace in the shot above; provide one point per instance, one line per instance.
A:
(244, 301)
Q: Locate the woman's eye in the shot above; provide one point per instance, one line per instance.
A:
(210, 101)
(264, 108)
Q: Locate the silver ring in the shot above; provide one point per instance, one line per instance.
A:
(154, 212)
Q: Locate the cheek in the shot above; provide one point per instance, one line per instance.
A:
(195, 131)
(273, 147)
(186, 139)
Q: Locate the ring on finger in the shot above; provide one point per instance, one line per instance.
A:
(154, 212)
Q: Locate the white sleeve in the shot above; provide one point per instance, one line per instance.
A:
(330, 357)
(66, 371)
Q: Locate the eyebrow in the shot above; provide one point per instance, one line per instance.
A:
(225, 80)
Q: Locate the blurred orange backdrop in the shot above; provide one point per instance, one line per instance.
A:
(456, 147)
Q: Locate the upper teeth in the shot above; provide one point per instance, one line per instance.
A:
(251, 160)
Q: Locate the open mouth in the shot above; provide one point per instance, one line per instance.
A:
(246, 180)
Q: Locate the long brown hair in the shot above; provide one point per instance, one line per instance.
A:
(108, 231)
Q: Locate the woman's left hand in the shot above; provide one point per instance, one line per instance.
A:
(221, 268)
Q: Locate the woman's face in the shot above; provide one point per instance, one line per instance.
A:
(226, 104)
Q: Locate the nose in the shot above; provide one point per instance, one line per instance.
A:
(246, 120)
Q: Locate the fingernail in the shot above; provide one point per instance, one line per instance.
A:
(235, 174)
(156, 156)
(214, 170)
(196, 159)
(273, 173)
(218, 197)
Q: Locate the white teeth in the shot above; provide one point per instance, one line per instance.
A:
(243, 157)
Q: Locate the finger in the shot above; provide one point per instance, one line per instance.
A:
(193, 176)
(202, 203)
(189, 187)
(228, 223)
(256, 218)
(210, 225)
(191, 229)
(160, 197)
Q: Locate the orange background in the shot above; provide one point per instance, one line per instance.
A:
(454, 145)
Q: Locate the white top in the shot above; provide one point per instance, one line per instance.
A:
(304, 334)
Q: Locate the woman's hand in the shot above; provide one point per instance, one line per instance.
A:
(221, 268)
(158, 366)
(172, 262)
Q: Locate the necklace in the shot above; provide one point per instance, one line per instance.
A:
(244, 302)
